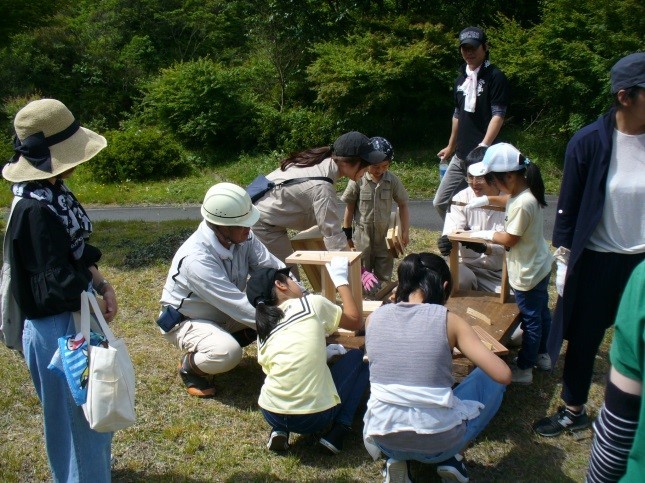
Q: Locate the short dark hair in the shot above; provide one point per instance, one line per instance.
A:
(631, 93)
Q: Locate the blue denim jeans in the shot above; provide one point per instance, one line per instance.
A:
(351, 377)
(76, 453)
(478, 386)
(536, 322)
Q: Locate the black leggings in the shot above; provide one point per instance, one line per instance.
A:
(602, 279)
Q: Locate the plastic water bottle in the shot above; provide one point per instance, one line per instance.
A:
(443, 167)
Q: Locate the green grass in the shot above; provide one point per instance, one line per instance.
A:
(418, 170)
(181, 438)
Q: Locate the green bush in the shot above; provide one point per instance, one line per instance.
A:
(559, 68)
(293, 129)
(203, 102)
(140, 155)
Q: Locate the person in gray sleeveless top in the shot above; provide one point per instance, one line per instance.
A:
(413, 413)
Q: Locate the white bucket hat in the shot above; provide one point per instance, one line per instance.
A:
(499, 158)
(48, 142)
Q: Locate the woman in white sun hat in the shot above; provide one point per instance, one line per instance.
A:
(51, 264)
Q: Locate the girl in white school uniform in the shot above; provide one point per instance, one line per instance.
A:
(528, 257)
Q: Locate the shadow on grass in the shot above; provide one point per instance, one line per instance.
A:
(126, 476)
(519, 454)
(240, 387)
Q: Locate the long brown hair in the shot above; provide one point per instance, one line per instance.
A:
(313, 156)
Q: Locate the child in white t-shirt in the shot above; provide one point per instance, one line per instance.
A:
(528, 258)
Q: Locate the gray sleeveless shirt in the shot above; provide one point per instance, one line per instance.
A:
(407, 344)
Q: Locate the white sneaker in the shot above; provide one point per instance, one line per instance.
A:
(521, 376)
(396, 471)
(516, 338)
(543, 362)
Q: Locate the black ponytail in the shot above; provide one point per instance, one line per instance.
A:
(533, 176)
(267, 314)
(534, 181)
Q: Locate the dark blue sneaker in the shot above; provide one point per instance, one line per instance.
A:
(333, 440)
(453, 469)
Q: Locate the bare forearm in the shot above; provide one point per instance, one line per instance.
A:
(404, 214)
(506, 239)
(351, 317)
(349, 215)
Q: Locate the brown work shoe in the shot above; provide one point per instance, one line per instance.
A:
(196, 385)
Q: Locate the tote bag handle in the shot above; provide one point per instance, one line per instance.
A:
(87, 299)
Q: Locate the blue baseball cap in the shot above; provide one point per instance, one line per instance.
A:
(628, 72)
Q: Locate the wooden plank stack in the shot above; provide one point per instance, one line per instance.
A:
(393, 238)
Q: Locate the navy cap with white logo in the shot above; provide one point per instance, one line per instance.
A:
(472, 36)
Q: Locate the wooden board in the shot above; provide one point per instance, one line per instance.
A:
(351, 341)
(504, 318)
(393, 237)
(490, 342)
(385, 291)
(461, 235)
(370, 306)
(478, 315)
(310, 240)
(320, 258)
(348, 341)
(485, 207)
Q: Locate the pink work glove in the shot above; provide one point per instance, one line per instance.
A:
(368, 279)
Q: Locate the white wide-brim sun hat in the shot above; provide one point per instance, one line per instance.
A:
(47, 126)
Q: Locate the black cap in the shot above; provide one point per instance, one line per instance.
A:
(356, 144)
(473, 36)
(628, 72)
(260, 284)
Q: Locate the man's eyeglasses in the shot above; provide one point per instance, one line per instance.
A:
(475, 179)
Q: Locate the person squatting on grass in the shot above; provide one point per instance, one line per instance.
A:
(481, 95)
(50, 264)
(313, 202)
(413, 413)
(599, 233)
(300, 393)
(618, 449)
(205, 312)
(480, 264)
(369, 204)
(528, 259)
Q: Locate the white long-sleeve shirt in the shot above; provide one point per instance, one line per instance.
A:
(207, 281)
(475, 219)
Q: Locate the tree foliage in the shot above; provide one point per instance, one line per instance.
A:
(284, 74)
(381, 81)
(202, 101)
(560, 67)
